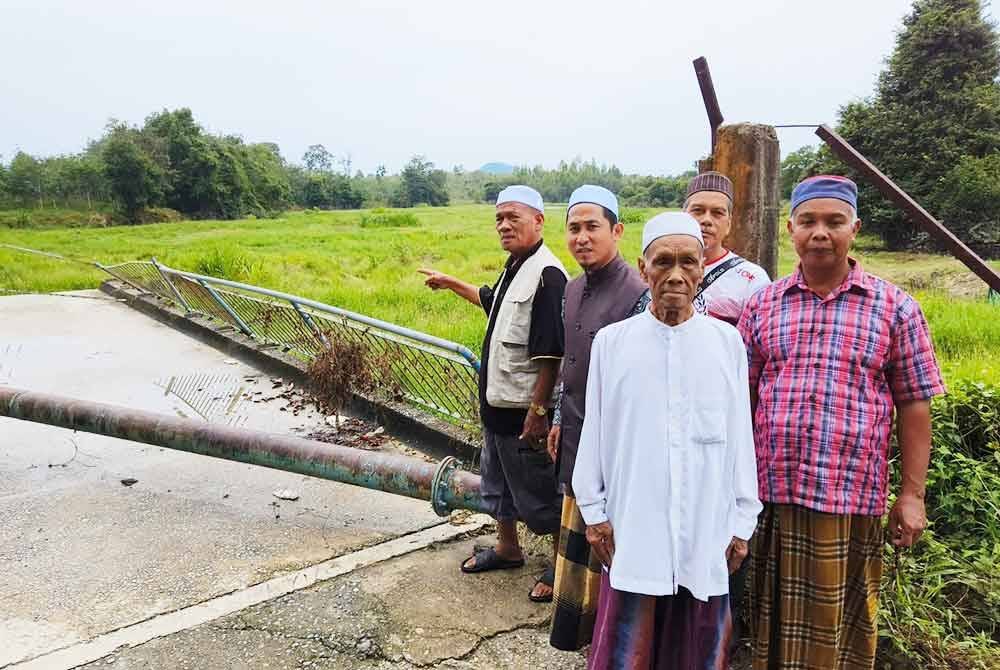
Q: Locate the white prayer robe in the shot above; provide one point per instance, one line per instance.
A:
(667, 453)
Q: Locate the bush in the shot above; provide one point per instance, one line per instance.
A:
(632, 217)
(52, 218)
(382, 218)
(941, 601)
(159, 215)
(227, 263)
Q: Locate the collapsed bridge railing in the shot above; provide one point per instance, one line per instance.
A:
(429, 372)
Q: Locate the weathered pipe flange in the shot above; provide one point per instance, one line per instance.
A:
(445, 486)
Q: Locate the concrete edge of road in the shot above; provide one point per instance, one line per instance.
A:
(169, 623)
(430, 434)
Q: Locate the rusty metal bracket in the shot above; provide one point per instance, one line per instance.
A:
(704, 75)
(439, 485)
(918, 214)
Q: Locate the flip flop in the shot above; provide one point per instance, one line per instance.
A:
(488, 559)
(548, 578)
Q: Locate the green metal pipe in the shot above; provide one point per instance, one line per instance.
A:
(443, 484)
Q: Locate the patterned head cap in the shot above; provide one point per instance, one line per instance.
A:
(710, 181)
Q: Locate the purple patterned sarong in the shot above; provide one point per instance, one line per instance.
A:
(679, 632)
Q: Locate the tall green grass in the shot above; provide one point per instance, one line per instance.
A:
(941, 599)
(366, 261)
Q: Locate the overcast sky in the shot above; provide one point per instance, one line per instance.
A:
(524, 82)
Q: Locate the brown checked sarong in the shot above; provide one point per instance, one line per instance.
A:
(814, 589)
(577, 585)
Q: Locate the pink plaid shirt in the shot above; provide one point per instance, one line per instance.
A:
(828, 372)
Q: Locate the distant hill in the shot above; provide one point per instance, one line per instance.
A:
(497, 168)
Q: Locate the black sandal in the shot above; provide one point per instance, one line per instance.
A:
(548, 578)
(488, 559)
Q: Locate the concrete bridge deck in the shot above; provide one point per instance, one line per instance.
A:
(90, 563)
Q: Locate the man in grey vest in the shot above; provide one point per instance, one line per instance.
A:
(608, 291)
(520, 362)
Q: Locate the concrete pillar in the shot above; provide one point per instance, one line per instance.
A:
(748, 154)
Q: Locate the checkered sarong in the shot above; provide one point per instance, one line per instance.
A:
(814, 589)
(577, 585)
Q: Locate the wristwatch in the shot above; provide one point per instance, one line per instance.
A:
(539, 410)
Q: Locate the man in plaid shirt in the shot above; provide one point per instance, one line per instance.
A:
(834, 352)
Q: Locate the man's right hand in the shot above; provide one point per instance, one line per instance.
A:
(436, 280)
(602, 541)
(552, 444)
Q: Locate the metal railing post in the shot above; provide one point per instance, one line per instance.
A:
(308, 320)
(225, 306)
(177, 294)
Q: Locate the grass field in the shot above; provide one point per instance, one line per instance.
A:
(939, 610)
(360, 263)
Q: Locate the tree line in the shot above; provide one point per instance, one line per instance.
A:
(171, 165)
(932, 125)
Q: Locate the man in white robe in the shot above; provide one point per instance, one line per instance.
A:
(666, 475)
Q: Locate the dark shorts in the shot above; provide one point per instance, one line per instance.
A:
(519, 482)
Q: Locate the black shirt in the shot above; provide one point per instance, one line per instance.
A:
(545, 338)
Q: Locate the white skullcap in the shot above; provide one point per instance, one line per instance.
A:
(595, 195)
(522, 194)
(670, 223)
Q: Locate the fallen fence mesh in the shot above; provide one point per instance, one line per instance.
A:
(433, 374)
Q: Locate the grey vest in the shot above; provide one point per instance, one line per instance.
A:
(510, 373)
(593, 300)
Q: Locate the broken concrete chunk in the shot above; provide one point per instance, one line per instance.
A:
(286, 494)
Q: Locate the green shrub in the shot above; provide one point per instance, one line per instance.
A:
(159, 215)
(52, 218)
(227, 263)
(382, 218)
(941, 600)
(632, 217)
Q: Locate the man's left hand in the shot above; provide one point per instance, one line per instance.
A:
(536, 431)
(907, 519)
(735, 553)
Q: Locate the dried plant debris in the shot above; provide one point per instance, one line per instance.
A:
(348, 367)
(351, 433)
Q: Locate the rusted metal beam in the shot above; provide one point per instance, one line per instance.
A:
(443, 484)
(708, 95)
(918, 214)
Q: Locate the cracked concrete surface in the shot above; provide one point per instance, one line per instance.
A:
(416, 611)
(83, 554)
